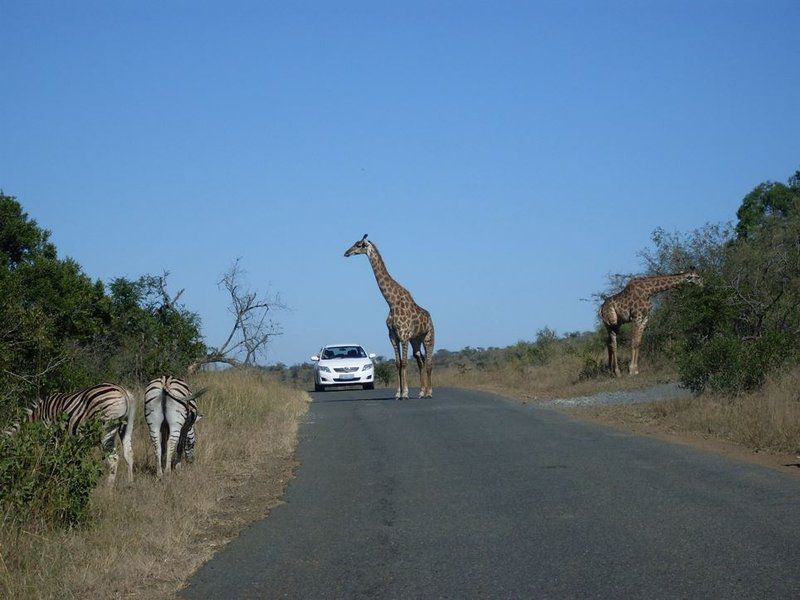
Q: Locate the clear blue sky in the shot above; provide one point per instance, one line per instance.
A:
(503, 156)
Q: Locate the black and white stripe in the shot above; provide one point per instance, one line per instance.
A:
(170, 408)
(112, 404)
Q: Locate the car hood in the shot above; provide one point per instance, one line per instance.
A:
(344, 362)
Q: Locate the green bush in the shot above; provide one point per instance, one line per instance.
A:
(47, 474)
(732, 365)
(536, 353)
(385, 372)
(592, 368)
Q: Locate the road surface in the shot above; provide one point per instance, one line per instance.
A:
(469, 495)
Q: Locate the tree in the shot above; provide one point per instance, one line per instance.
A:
(49, 312)
(252, 327)
(21, 239)
(769, 200)
(151, 333)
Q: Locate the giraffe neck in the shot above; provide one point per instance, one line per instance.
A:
(655, 285)
(385, 281)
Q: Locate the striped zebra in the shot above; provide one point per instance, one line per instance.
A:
(170, 408)
(113, 405)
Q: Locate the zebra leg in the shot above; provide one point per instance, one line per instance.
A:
(112, 458)
(154, 415)
(127, 452)
(172, 445)
(126, 434)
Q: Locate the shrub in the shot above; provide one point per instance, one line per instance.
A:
(47, 474)
(732, 365)
(385, 371)
(592, 368)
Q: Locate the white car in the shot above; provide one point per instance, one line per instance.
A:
(343, 364)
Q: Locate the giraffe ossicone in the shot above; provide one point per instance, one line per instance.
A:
(407, 322)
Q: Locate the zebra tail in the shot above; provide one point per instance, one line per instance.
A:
(127, 434)
(163, 433)
(193, 396)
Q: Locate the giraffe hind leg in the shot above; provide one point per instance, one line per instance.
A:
(416, 345)
(428, 344)
(404, 369)
(396, 348)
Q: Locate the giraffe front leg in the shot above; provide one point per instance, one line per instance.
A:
(636, 344)
(396, 348)
(613, 363)
(404, 370)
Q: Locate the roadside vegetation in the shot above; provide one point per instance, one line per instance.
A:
(61, 534)
(735, 342)
(765, 420)
(146, 539)
(547, 367)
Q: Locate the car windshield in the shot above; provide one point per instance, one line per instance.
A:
(332, 352)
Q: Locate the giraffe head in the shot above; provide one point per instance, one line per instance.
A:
(362, 246)
(692, 276)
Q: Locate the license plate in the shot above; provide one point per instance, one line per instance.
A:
(348, 376)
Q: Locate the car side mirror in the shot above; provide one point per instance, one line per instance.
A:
(371, 355)
(315, 358)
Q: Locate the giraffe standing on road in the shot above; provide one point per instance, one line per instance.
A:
(633, 305)
(407, 322)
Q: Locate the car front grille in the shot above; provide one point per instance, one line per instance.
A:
(345, 369)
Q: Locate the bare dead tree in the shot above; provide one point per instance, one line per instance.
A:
(253, 326)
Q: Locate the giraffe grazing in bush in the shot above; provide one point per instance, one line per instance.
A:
(407, 322)
(633, 305)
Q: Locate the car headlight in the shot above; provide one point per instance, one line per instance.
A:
(367, 367)
(323, 368)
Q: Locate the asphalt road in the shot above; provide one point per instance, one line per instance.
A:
(471, 496)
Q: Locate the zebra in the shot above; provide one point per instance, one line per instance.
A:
(112, 404)
(170, 409)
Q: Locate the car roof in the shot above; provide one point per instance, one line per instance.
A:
(337, 345)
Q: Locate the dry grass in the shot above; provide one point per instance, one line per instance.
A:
(150, 536)
(764, 421)
(559, 378)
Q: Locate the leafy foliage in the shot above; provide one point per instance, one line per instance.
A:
(47, 474)
(730, 334)
(59, 330)
(385, 371)
(148, 336)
